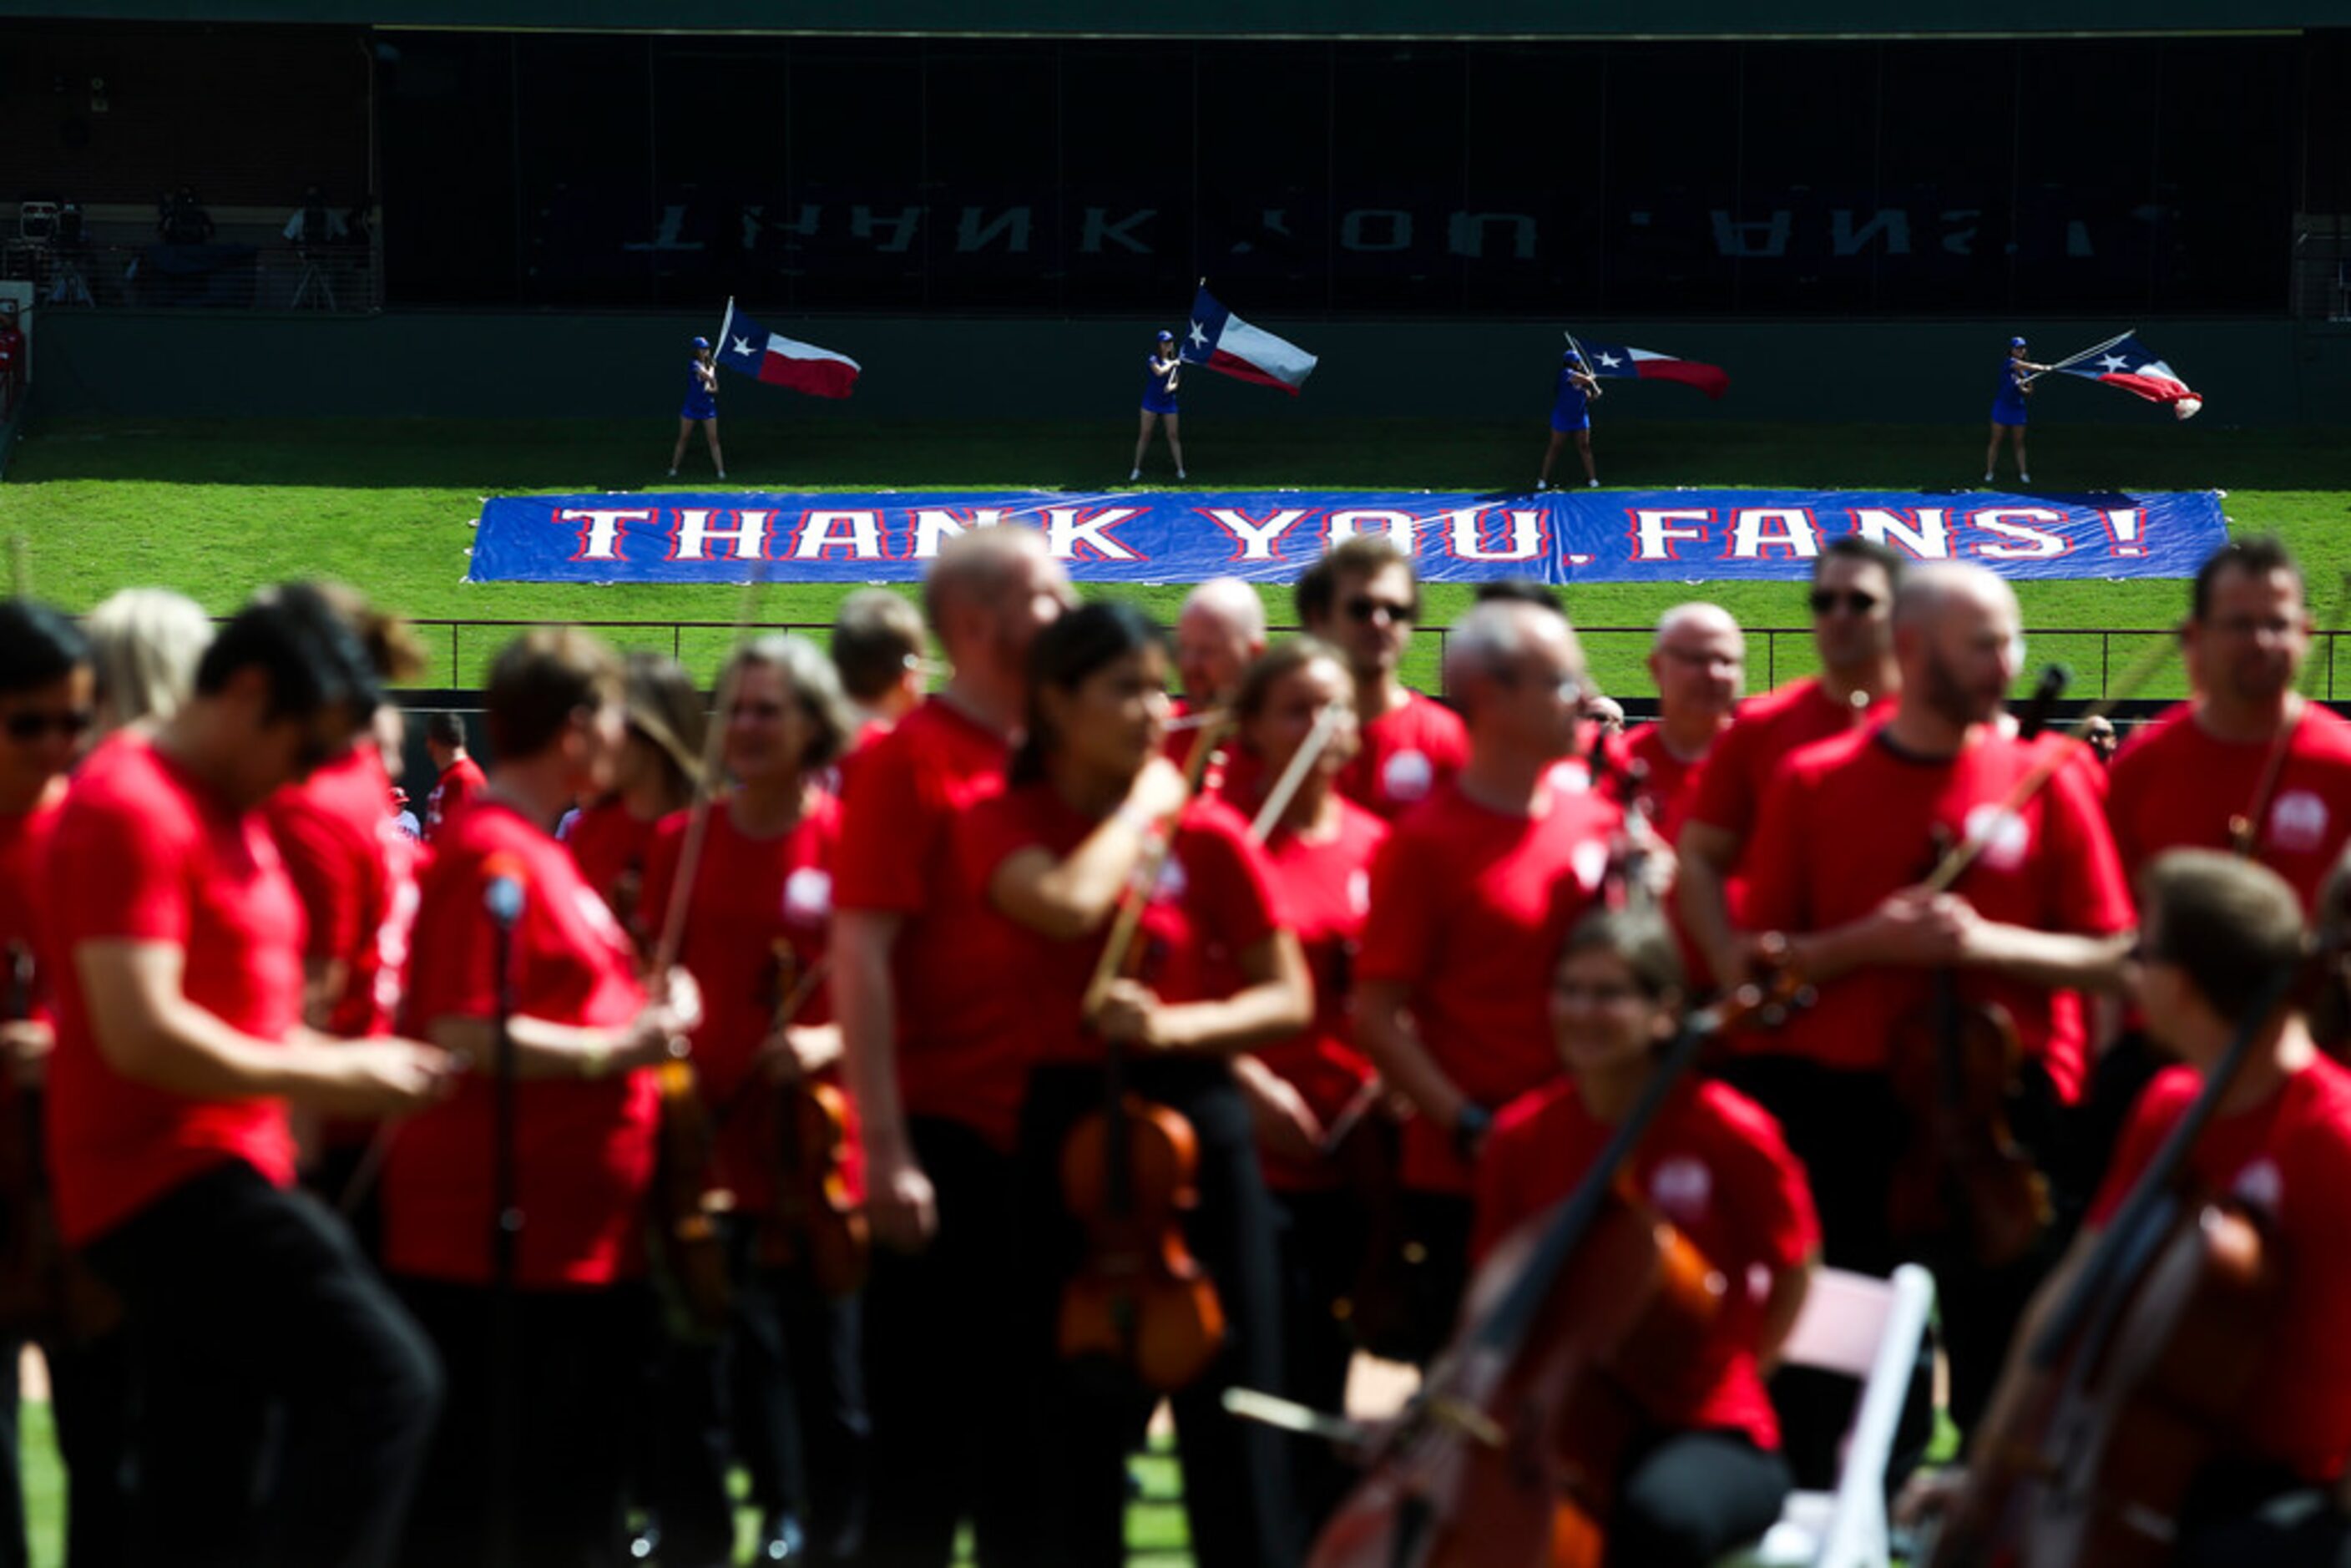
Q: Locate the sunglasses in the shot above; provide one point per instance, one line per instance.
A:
(24, 728)
(1854, 602)
(1363, 607)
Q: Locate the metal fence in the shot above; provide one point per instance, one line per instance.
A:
(2099, 656)
(341, 279)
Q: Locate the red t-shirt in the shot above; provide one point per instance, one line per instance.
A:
(452, 792)
(611, 844)
(2289, 1158)
(145, 853)
(1469, 907)
(1405, 756)
(1729, 787)
(1714, 1166)
(24, 895)
(1214, 900)
(753, 899)
(2176, 786)
(1325, 889)
(1851, 820)
(355, 871)
(583, 1149)
(958, 1032)
(1665, 790)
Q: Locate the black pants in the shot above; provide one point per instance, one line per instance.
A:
(2243, 1516)
(1692, 1496)
(1850, 1132)
(1424, 1265)
(577, 1353)
(1319, 1238)
(252, 1317)
(1237, 1494)
(946, 1395)
(783, 1390)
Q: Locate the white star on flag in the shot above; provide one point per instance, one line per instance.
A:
(742, 345)
(2113, 362)
(1611, 360)
(1199, 337)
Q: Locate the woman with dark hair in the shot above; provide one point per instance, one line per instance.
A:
(1708, 1476)
(783, 1380)
(1217, 973)
(1163, 368)
(1307, 1092)
(700, 407)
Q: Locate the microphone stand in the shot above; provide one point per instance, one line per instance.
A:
(506, 1232)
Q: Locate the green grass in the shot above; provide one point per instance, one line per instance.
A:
(215, 508)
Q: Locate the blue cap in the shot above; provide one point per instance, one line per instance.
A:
(704, 342)
(2016, 342)
(1166, 337)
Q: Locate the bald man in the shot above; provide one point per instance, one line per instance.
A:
(1698, 663)
(937, 1095)
(1848, 831)
(1220, 631)
(1470, 899)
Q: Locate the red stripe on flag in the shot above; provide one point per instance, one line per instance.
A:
(1711, 379)
(818, 378)
(1241, 370)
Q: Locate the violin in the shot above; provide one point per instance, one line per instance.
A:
(813, 1223)
(690, 1206)
(1130, 1172)
(2136, 1374)
(1580, 1323)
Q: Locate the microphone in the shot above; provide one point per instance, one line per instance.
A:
(503, 896)
(2046, 693)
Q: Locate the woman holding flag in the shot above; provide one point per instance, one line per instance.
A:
(2016, 373)
(701, 408)
(1161, 372)
(1571, 414)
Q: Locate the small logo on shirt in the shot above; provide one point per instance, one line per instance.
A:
(808, 896)
(1359, 891)
(1588, 863)
(2298, 822)
(2260, 1184)
(1407, 776)
(2005, 837)
(1683, 1189)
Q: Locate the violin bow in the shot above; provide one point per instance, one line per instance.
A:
(2244, 829)
(1963, 855)
(1129, 921)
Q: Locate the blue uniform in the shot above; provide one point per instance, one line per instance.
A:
(1157, 396)
(2008, 403)
(1571, 410)
(701, 402)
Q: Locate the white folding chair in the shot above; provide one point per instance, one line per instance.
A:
(1869, 1329)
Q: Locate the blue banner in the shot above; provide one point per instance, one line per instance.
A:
(1581, 536)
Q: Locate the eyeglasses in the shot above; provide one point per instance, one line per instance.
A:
(24, 728)
(1363, 607)
(1851, 601)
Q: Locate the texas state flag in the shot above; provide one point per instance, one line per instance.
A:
(743, 345)
(2129, 364)
(1222, 341)
(1641, 364)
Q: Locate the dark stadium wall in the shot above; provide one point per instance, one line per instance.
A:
(486, 365)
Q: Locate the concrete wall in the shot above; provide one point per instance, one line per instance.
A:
(489, 365)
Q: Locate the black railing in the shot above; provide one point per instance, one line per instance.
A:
(2099, 656)
(341, 278)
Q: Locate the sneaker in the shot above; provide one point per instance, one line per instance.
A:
(673, 473)
(1593, 485)
(1181, 474)
(2024, 478)
(1986, 479)
(721, 472)
(1132, 475)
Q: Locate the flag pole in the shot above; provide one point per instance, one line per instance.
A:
(725, 322)
(2077, 358)
(1585, 361)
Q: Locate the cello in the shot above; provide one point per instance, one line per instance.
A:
(813, 1223)
(2133, 1373)
(1578, 1323)
(1130, 1172)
